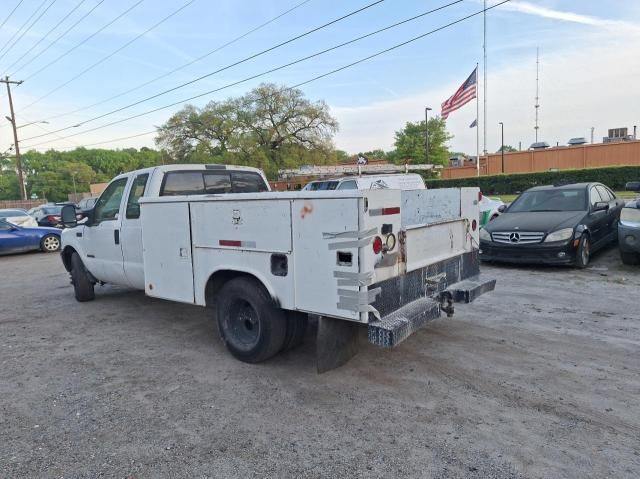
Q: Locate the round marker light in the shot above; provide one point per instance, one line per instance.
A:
(377, 245)
(391, 242)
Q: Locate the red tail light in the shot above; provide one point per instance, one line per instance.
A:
(377, 245)
(53, 218)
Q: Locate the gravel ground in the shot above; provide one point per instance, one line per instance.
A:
(538, 379)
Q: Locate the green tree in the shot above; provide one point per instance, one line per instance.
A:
(410, 143)
(507, 149)
(271, 127)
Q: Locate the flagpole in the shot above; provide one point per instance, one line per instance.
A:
(477, 126)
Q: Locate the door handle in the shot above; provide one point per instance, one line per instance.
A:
(116, 236)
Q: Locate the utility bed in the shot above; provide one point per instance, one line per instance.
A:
(390, 259)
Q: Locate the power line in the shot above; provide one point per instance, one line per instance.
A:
(62, 35)
(28, 28)
(315, 78)
(17, 32)
(116, 51)
(185, 65)
(10, 14)
(47, 34)
(297, 37)
(78, 45)
(250, 57)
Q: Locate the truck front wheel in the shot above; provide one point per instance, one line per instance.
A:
(82, 285)
(251, 325)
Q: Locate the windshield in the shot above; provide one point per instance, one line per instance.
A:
(10, 213)
(323, 185)
(550, 200)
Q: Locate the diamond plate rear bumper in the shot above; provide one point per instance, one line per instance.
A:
(423, 293)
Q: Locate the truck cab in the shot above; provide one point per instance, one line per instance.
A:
(109, 242)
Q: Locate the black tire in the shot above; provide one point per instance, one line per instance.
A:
(82, 285)
(630, 258)
(296, 330)
(50, 243)
(252, 327)
(583, 255)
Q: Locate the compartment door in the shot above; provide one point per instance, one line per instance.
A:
(166, 245)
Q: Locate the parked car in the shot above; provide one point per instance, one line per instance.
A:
(553, 225)
(408, 181)
(87, 203)
(489, 209)
(16, 239)
(629, 228)
(18, 217)
(49, 215)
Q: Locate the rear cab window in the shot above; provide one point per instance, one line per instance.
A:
(212, 182)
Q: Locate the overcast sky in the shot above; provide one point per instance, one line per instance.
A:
(589, 65)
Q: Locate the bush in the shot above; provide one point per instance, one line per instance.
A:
(614, 177)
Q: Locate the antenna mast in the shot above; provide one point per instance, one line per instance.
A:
(537, 90)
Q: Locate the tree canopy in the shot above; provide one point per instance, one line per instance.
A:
(271, 127)
(410, 142)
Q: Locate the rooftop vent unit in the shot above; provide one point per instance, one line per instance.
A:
(539, 145)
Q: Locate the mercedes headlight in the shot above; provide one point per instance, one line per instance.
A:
(560, 235)
(485, 235)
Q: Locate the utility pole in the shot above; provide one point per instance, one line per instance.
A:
(426, 134)
(12, 120)
(537, 106)
(502, 148)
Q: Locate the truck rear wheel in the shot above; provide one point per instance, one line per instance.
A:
(251, 325)
(82, 285)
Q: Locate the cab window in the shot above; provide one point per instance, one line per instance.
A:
(137, 190)
(108, 205)
(217, 182)
(183, 183)
(348, 185)
(247, 182)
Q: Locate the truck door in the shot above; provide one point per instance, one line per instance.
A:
(102, 239)
(131, 233)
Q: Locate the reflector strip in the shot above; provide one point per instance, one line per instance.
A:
(237, 244)
(395, 210)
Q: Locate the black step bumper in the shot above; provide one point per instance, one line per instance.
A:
(410, 301)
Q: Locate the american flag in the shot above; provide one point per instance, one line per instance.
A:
(464, 95)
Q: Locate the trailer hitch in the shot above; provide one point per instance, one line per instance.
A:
(446, 303)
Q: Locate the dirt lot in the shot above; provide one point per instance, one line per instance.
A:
(538, 379)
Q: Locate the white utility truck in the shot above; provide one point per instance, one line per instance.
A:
(212, 235)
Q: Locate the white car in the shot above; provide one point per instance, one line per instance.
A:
(18, 217)
(405, 182)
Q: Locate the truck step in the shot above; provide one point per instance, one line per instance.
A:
(399, 325)
(469, 289)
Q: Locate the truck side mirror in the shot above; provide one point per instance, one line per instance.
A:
(68, 215)
(633, 186)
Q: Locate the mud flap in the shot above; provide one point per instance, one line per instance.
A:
(336, 343)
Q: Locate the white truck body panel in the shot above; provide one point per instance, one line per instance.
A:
(385, 257)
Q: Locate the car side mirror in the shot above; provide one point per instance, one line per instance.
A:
(601, 206)
(68, 214)
(502, 208)
(633, 186)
